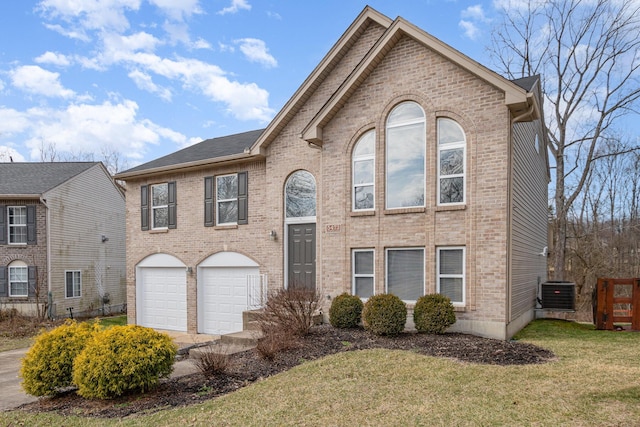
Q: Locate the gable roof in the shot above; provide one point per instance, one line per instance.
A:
(227, 148)
(517, 98)
(30, 180)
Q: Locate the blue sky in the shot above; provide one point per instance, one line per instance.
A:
(145, 78)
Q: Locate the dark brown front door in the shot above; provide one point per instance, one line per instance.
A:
(302, 255)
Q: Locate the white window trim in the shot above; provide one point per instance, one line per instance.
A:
(366, 158)
(18, 264)
(10, 226)
(154, 207)
(386, 268)
(73, 288)
(422, 121)
(218, 201)
(453, 276)
(453, 146)
(354, 276)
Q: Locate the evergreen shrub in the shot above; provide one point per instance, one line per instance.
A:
(433, 314)
(384, 314)
(345, 311)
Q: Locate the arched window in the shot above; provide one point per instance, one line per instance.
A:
(300, 195)
(405, 156)
(18, 279)
(363, 167)
(451, 162)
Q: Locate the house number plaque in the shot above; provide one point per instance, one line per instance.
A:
(333, 228)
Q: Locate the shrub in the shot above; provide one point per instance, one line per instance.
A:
(48, 364)
(345, 311)
(123, 359)
(292, 309)
(384, 314)
(433, 314)
(212, 360)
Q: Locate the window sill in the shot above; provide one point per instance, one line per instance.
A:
(159, 231)
(446, 208)
(363, 213)
(459, 308)
(225, 227)
(404, 211)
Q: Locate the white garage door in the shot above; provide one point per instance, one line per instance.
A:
(162, 298)
(223, 298)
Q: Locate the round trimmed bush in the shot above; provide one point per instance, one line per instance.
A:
(433, 314)
(384, 314)
(48, 364)
(123, 359)
(345, 311)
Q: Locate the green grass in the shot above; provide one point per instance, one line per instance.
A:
(595, 381)
(107, 322)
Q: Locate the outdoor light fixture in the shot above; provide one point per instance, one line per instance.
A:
(190, 270)
(104, 238)
(273, 235)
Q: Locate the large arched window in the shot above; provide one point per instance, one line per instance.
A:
(363, 167)
(451, 162)
(300, 195)
(405, 156)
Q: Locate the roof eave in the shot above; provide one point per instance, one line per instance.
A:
(189, 166)
(21, 196)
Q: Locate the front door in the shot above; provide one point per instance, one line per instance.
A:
(302, 255)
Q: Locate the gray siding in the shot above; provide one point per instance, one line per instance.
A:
(528, 217)
(82, 210)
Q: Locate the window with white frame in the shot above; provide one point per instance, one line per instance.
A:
(405, 156)
(73, 284)
(450, 268)
(405, 273)
(17, 216)
(362, 262)
(363, 166)
(227, 199)
(160, 206)
(18, 279)
(451, 162)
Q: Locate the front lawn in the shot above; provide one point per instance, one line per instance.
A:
(595, 381)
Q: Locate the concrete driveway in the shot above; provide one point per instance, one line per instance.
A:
(11, 394)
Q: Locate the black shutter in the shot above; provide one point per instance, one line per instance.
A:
(243, 198)
(4, 282)
(3, 225)
(208, 202)
(31, 225)
(32, 280)
(173, 217)
(144, 207)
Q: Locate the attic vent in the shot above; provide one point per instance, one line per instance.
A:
(558, 295)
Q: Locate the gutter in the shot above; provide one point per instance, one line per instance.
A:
(48, 232)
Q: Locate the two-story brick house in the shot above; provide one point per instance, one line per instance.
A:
(399, 166)
(62, 239)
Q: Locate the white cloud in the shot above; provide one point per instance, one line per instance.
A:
(475, 13)
(53, 59)
(255, 50)
(74, 34)
(143, 81)
(36, 80)
(274, 15)
(470, 30)
(1, 85)
(178, 9)
(236, 5)
(9, 154)
(94, 15)
(12, 122)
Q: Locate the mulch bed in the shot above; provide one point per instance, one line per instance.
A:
(248, 367)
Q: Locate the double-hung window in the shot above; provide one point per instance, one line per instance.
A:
(451, 273)
(160, 206)
(73, 284)
(451, 162)
(17, 216)
(226, 199)
(405, 273)
(363, 272)
(18, 279)
(405, 159)
(364, 172)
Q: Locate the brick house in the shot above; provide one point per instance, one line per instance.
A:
(400, 165)
(62, 239)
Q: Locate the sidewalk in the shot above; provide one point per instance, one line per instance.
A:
(12, 395)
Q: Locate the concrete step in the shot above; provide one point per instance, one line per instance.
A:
(246, 338)
(219, 348)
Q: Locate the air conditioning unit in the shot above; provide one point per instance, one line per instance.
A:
(559, 295)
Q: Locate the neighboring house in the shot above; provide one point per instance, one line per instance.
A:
(399, 166)
(62, 239)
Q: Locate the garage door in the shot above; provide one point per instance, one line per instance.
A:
(222, 292)
(162, 298)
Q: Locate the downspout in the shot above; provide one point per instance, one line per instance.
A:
(48, 233)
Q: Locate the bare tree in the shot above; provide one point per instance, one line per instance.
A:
(588, 56)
